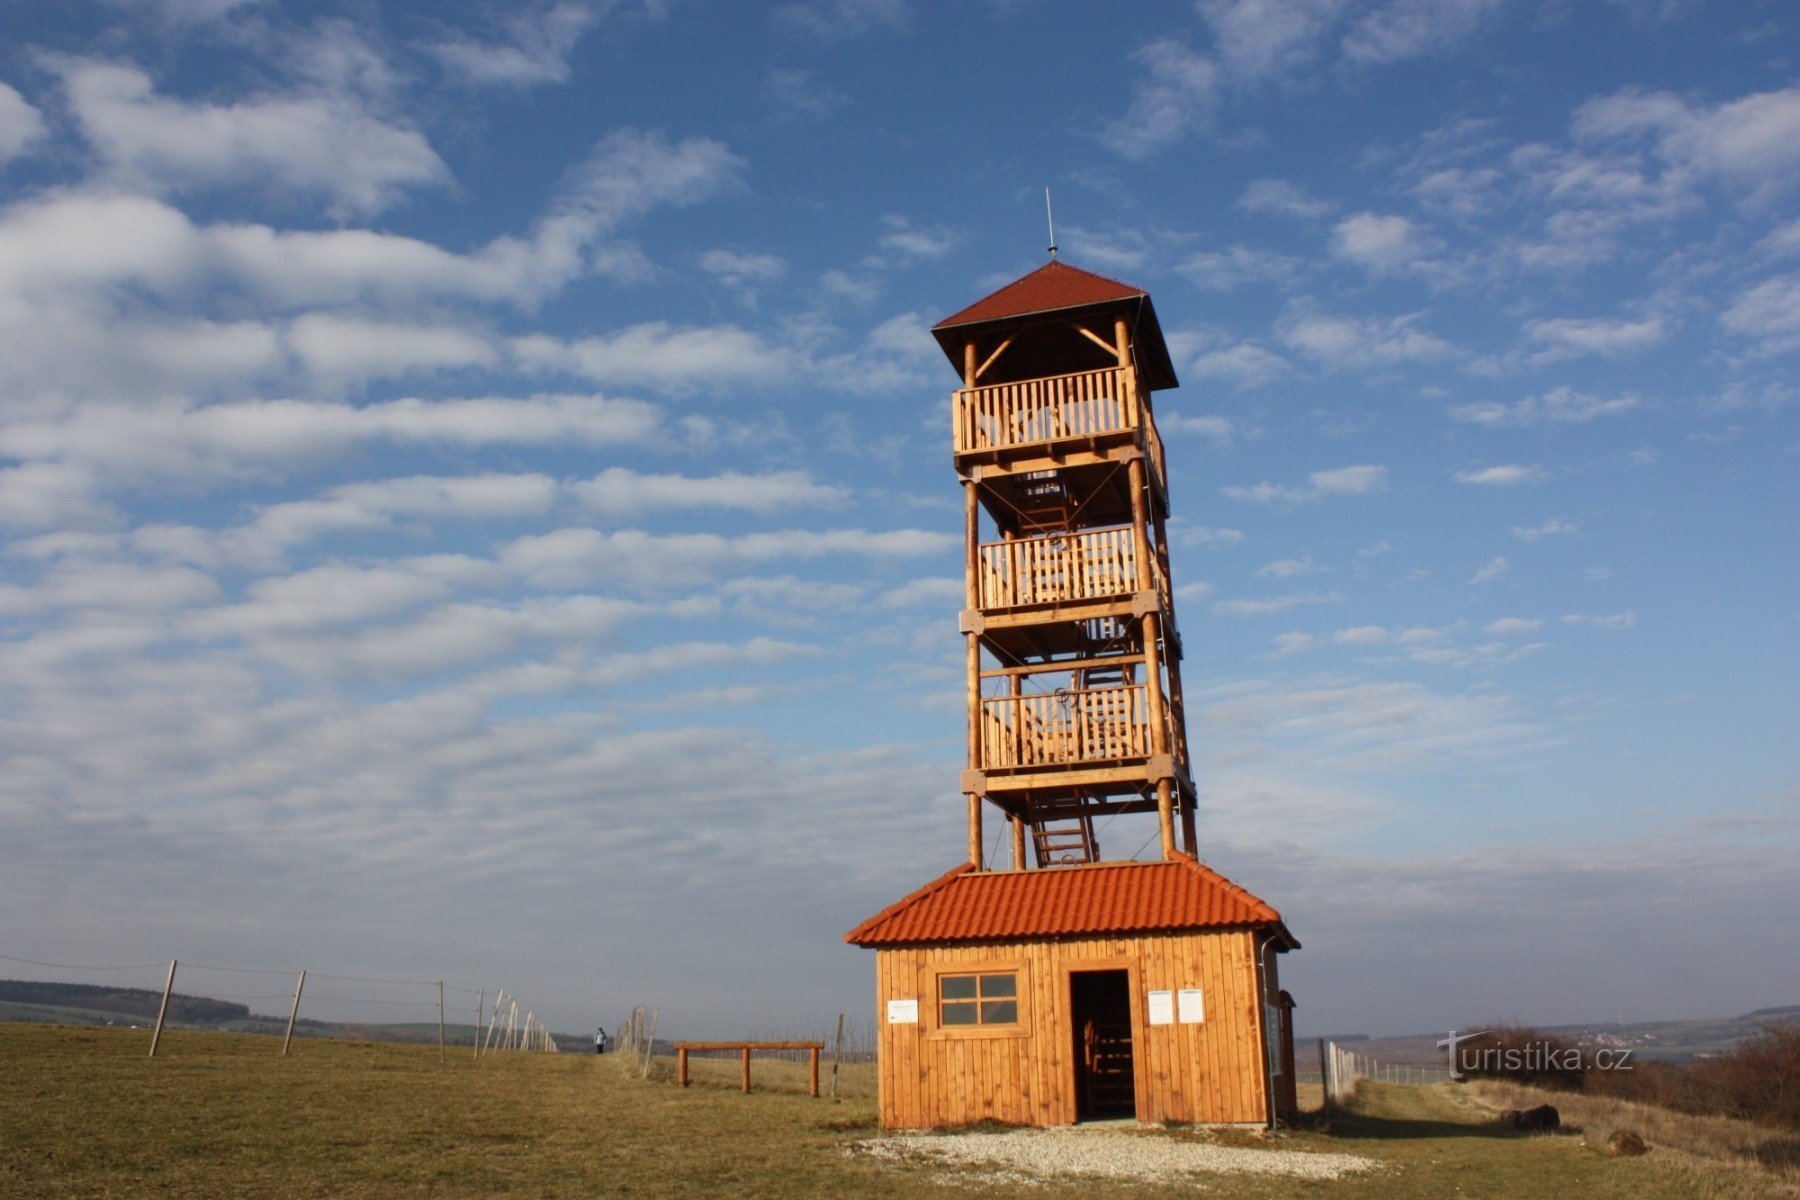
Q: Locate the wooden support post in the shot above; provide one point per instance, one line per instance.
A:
(837, 1057)
(440, 1022)
(1018, 843)
(681, 1065)
(746, 1069)
(293, 1012)
(162, 1010)
(812, 1072)
(971, 601)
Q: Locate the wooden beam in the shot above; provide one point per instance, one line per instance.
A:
(989, 361)
(1095, 338)
(1070, 664)
(969, 363)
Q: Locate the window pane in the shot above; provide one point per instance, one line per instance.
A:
(959, 1013)
(999, 1012)
(999, 985)
(956, 987)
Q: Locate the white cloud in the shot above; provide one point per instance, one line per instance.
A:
(1294, 643)
(1566, 337)
(1247, 363)
(20, 124)
(1383, 244)
(1616, 621)
(1768, 314)
(1219, 429)
(1755, 139)
(327, 145)
(623, 492)
(1289, 568)
(1361, 480)
(1189, 534)
(1284, 197)
(944, 593)
(1341, 342)
(376, 503)
(1494, 570)
(1361, 635)
(837, 20)
(577, 557)
(49, 496)
(1256, 38)
(1554, 527)
(532, 47)
(1512, 626)
(1175, 94)
(657, 354)
(1403, 29)
(1506, 475)
(741, 269)
(1222, 270)
(1561, 404)
(908, 241)
(1271, 605)
(354, 349)
(129, 444)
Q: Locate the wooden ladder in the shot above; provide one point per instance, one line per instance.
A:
(1064, 840)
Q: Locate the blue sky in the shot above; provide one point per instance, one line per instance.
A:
(477, 500)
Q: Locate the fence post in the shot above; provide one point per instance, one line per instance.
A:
(746, 1071)
(292, 1013)
(440, 1022)
(650, 1042)
(480, 1003)
(162, 1009)
(1324, 1079)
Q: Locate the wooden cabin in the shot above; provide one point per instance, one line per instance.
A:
(1061, 986)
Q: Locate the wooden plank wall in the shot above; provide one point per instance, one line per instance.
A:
(1206, 1073)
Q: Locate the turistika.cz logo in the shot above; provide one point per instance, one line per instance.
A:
(1530, 1058)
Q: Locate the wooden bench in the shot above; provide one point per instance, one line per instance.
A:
(813, 1051)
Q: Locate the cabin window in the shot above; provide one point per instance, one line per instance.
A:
(965, 1000)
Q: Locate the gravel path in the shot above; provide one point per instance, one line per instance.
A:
(1039, 1155)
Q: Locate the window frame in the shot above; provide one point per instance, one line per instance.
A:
(1020, 1026)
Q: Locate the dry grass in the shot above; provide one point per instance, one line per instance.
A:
(1755, 1151)
(82, 1113)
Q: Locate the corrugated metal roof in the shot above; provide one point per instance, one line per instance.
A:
(1120, 897)
(1055, 285)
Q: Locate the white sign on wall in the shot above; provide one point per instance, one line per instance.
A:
(903, 1012)
(1191, 1006)
(1162, 1008)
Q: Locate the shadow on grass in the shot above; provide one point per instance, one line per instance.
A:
(1345, 1124)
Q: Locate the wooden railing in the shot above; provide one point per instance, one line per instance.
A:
(1051, 409)
(1077, 726)
(1058, 567)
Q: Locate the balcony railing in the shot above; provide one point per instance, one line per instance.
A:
(1061, 728)
(1058, 568)
(1055, 408)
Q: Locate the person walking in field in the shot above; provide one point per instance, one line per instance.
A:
(600, 1040)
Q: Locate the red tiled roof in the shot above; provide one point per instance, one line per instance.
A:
(1055, 285)
(1121, 897)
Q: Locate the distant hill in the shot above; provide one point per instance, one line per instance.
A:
(1675, 1040)
(91, 1004)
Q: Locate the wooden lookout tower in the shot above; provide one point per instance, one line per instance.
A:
(1063, 985)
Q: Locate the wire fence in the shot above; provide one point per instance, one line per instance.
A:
(499, 1025)
(1342, 1070)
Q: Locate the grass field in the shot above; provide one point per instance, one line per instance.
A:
(83, 1113)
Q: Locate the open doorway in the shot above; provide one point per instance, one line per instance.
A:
(1105, 1085)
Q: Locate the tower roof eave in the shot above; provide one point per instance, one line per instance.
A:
(1058, 288)
(1177, 895)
